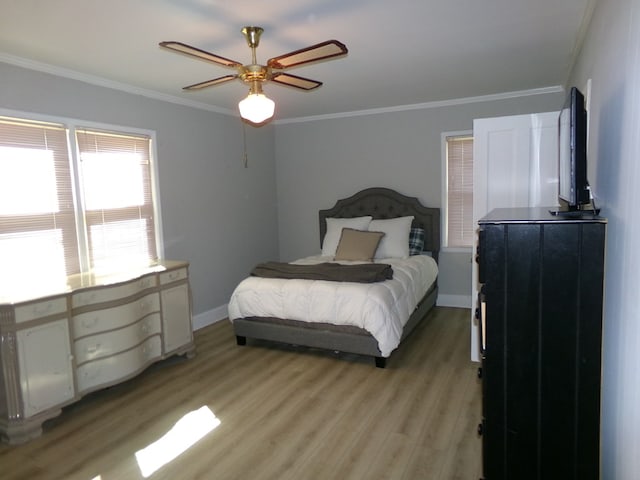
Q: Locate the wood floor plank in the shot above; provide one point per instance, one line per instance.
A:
(286, 413)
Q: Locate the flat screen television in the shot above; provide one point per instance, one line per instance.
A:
(574, 194)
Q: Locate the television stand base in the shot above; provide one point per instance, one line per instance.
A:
(576, 213)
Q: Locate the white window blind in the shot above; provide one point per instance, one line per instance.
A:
(66, 211)
(459, 157)
(118, 203)
(38, 242)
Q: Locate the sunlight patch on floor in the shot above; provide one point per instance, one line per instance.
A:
(185, 433)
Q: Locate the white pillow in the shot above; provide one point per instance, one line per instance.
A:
(395, 243)
(334, 231)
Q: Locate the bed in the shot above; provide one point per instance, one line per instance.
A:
(378, 204)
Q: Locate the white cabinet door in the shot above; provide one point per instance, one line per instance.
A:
(515, 164)
(176, 317)
(45, 363)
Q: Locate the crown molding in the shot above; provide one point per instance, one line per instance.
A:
(427, 105)
(112, 84)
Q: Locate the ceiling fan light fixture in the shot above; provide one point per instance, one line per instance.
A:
(256, 107)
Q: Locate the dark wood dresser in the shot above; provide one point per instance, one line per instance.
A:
(540, 311)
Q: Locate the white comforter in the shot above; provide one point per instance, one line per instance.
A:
(381, 308)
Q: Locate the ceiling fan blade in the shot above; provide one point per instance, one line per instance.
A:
(201, 54)
(314, 53)
(295, 81)
(210, 83)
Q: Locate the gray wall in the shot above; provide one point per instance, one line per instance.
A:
(216, 214)
(321, 161)
(610, 58)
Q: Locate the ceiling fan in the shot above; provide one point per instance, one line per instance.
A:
(257, 108)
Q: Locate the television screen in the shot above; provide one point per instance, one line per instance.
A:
(573, 188)
(564, 144)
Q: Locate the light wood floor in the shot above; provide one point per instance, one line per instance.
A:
(285, 412)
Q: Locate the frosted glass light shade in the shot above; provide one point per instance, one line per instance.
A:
(257, 107)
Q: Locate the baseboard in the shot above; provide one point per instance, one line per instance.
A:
(210, 317)
(459, 301)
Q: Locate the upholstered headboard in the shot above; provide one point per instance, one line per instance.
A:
(383, 203)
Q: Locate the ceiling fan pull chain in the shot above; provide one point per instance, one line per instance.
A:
(245, 156)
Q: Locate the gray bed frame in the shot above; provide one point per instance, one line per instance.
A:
(380, 203)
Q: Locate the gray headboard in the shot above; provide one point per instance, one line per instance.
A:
(383, 203)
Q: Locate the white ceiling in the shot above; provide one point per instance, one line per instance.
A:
(403, 52)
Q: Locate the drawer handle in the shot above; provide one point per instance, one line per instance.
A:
(86, 298)
(148, 351)
(90, 323)
(40, 309)
(93, 373)
(93, 348)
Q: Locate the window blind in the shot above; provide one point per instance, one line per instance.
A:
(115, 179)
(38, 241)
(459, 152)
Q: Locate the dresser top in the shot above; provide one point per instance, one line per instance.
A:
(81, 281)
(538, 215)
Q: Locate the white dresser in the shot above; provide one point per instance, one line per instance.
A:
(96, 333)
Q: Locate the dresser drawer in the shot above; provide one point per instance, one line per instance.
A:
(90, 323)
(40, 309)
(109, 294)
(173, 275)
(117, 368)
(109, 343)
